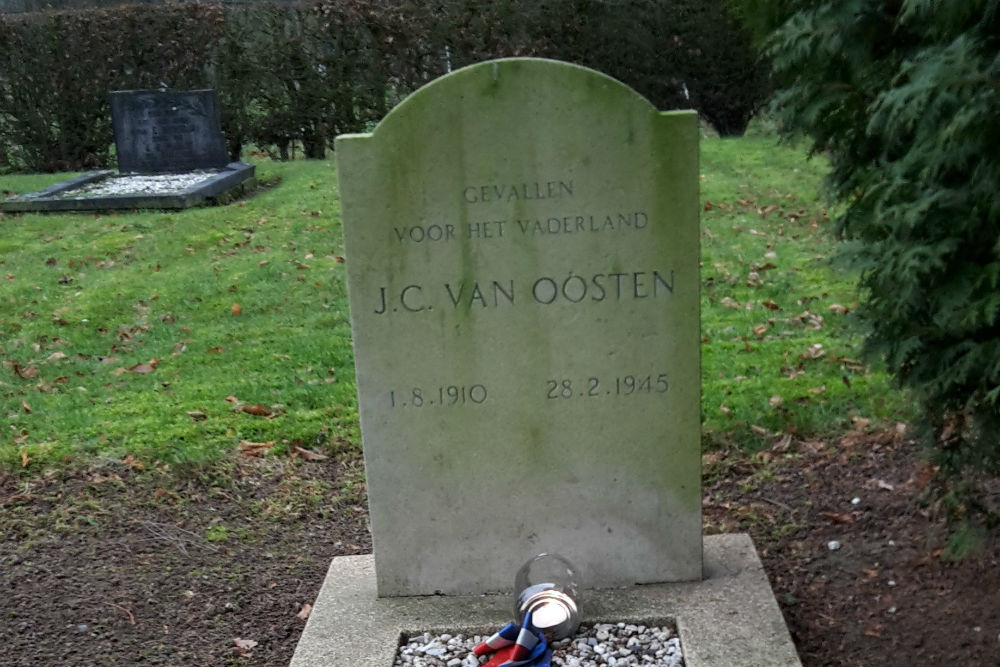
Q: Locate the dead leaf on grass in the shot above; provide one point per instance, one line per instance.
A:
(770, 305)
(236, 309)
(250, 448)
(24, 458)
(813, 352)
(133, 463)
(27, 408)
(25, 372)
(144, 369)
(57, 356)
(197, 415)
(309, 455)
(730, 302)
(305, 611)
(257, 410)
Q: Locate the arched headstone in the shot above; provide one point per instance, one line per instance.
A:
(522, 253)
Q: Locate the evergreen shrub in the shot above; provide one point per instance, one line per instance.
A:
(903, 96)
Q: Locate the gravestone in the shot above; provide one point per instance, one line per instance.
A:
(167, 131)
(171, 155)
(522, 253)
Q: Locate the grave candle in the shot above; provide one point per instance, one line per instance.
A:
(548, 588)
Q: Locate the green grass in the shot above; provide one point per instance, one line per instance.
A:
(90, 301)
(778, 352)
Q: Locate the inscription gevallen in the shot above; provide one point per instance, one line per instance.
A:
(521, 240)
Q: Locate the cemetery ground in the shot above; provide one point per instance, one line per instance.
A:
(181, 453)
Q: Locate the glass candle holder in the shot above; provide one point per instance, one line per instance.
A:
(547, 587)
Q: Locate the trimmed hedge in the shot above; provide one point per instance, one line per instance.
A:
(299, 74)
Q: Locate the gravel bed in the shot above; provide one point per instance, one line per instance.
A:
(600, 645)
(142, 184)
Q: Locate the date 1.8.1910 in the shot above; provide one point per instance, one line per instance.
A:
(445, 396)
(594, 387)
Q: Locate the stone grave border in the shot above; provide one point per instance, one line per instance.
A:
(232, 181)
(728, 618)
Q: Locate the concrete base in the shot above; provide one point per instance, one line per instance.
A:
(729, 618)
(220, 188)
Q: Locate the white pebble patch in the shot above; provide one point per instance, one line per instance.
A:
(600, 645)
(142, 184)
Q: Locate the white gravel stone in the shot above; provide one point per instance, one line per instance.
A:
(603, 645)
(142, 184)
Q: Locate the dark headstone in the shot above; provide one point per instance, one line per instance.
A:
(160, 132)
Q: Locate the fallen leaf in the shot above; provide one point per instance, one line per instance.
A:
(243, 646)
(882, 484)
(197, 415)
(874, 630)
(861, 422)
(310, 455)
(816, 391)
(338, 259)
(257, 410)
(131, 462)
(305, 611)
(24, 458)
(760, 329)
(25, 372)
(776, 401)
(27, 408)
(759, 430)
(57, 356)
(237, 309)
(838, 309)
(770, 305)
(838, 517)
(730, 302)
(250, 448)
(142, 369)
(724, 410)
(813, 352)
(869, 572)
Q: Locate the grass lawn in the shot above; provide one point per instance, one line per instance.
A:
(176, 338)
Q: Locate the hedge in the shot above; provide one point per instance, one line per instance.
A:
(299, 74)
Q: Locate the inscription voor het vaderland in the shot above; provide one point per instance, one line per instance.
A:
(495, 292)
(525, 316)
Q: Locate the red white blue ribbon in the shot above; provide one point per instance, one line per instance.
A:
(516, 646)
